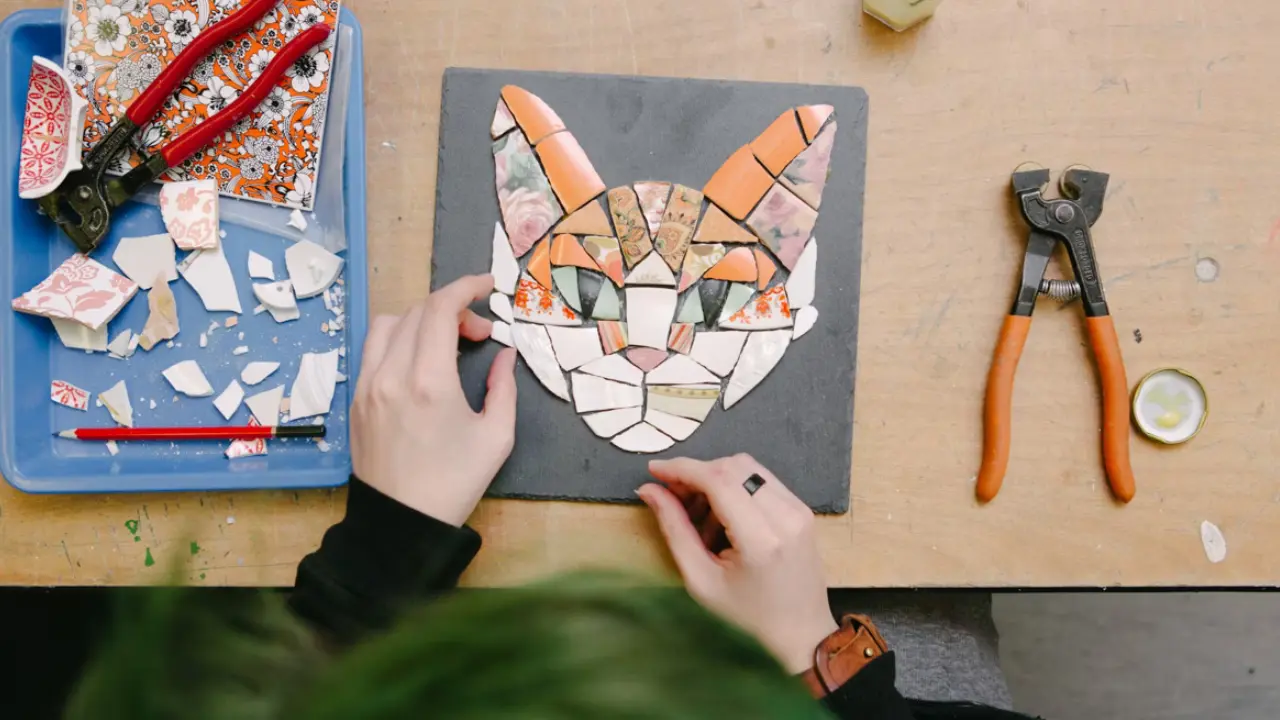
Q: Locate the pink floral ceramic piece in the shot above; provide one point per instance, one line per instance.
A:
(806, 176)
(190, 212)
(247, 448)
(784, 223)
(64, 393)
(51, 130)
(529, 207)
(534, 303)
(653, 201)
(80, 289)
(502, 123)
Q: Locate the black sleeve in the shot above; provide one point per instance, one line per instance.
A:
(380, 557)
(871, 694)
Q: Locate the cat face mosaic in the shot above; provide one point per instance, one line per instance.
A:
(645, 305)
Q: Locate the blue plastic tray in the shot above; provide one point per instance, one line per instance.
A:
(31, 356)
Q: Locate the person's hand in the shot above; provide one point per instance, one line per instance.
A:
(414, 438)
(751, 558)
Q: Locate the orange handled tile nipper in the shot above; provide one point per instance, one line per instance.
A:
(1065, 220)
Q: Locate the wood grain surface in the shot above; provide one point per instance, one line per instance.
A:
(1178, 103)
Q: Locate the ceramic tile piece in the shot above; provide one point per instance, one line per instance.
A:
(247, 448)
(679, 370)
(780, 143)
(718, 351)
(80, 289)
(256, 372)
(812, 117)
(611, 422)
(261, 268)
(534, 116)
(505, 269)
(278, 299)
(575, 347)
(534, 345)
(590, 283)
(649, 314)
(228, 402)
(297, 221)
(739, 294)
(739, 265)
(265, 406)
(116, 400)
(686, 401)
(500, 305)
(503, 121)
(119, 345)
(75, 336)
(209, 274)
(162, 317)
(590, 219)
(712, 294)
(678, 222)
(565, 250)
(801, 283)
(591, 393)
(613, 335)
(765, 269)
(529, 207)
(633, 229)
(190, 213)
(806, 176)
(680, 338)
(615, 367)
(540, 263)
(652, 271)
(142, 259)
(739, 184)
(698, 261)
(646, 358)
(607, 305)
(536, 304)
(760, 356)
(312, 269)
(187, 378)
(716, 227)
(784, 223)
(767, 311)
(502, 333)
(653, 201)
(607, 255)
(52, 128)
(806, 317)
(642, 438)
(64, 393)
(572, 176)
(312, 391)
(565, 281)
(691, 310)
(677, 427)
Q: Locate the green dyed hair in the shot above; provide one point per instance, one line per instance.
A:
(580, 646)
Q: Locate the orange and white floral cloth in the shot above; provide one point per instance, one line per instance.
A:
(116, 48)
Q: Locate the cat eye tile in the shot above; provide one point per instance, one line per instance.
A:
(716, 227)
(529, 207)
(534, 303)
(768, 310)
(738, 266)
(587, 220)
(679, 370)
(680, 338)
(565, 282)
(614, 367)
(765, 269)
(535, 117)
(653, 201)
(698, 261)
(652, 271)
(643, 438)
(649, 315)
(784, 223)
(739, 184)
(686, 401)
(589, 284)
(572, 176)
(677, 428)
(534, 345)
(613, 335)
(801, 284)
(646, 358)
(591, 393)
(678, 221)
(607, 306)
(607, 256)
(718, 351)
(738, 296)
(575, 347)
(760, 356)
(691, 310)
(779, 144)
(806, 176)
(611, 422)
(632, 228)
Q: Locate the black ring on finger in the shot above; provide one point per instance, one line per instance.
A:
(752, 484)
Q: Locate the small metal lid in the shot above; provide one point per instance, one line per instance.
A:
(1170, 406)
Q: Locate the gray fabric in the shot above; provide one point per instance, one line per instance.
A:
(946, 643)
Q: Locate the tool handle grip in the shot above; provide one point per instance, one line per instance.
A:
(998, 408)
(213, 127)
(1115, 406)
(151, 99)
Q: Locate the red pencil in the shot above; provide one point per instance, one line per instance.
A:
(248, 432)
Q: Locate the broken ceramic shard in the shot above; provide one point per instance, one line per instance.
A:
(697, 261)
(604, 251)
(760, 356)
(312, 391)
(116, 400)
(311, 268)
(565, 281)
(500, 305)
(738, 297)
(248, 448)
(190, 212)
(716, 227)
(691, 310)
(502, 333)
(608, 306)
(278, 299)
(649, 314)
(256, 372)
(540, 263)
(813, 117)
(615, 367)
(780, 143)
(297, 221)
(718, 351)
(712, 294)
(590, 283)
(265, 406)
(769, 310)
(534, 116)
(144, 259)
(505, 269)
(591, 393)
(646, 358)
(162, 320)
(241, 350)
(503, 122)
(229, 400)
(52, 128)
(686, 401)
(802, 282)
(80, 289)
(784, 223)
(632, 229)
(565, 250)
(537, 304)
(534, 345)
(805, 319)
(642, 438)
(208, 273)
(529, 207)
(737, 266)
(589, 220)
(575, 347)
(806, 176)
(678, 222)
(677, 427)
(653, 201)
(75, 336)
(739, 184)
(765, 269)
(122, 345)
(679, 370)
(652, 271)
(261, 267)
(64, 393)
(613, 335)
(681, 338)
(187, 378)
(611, 422)
(572, 176)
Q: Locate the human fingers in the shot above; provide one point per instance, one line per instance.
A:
(473, 327)
(500, 399)
(744, 521)
(437, 342)
(696, 565)
(376, 343)
(780, 506)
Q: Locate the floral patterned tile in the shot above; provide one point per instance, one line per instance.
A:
(534, 303)
(503, 121)
(613, 335)
(607, 256)
(784, 223)
(633, 229)
(52, 126)
(64, 393)
(678, 223)
(681, 337)
(698, 261)
(779, 144)
(573, 178)
(806, 176)
(767, 311)
(738, 266)
(190, 213)
(739, 184)
(80, 289)
(716, 227)
(535, 117)
(587, 220)
(653, 201)
(529, 207)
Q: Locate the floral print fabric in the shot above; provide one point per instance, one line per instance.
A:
(116, 48)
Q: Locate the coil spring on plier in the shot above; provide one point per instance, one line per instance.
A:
(1064, 291)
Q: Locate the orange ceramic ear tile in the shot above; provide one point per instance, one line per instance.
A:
(812, 117)
(739, 184)
(566, 251)
(779, 144)
(716, 227)
(765, 268)
(572, 176)
(540, 262)
(534, 116)
(590, 220)
(738, 266)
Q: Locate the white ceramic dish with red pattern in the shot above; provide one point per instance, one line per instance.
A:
(52, 129)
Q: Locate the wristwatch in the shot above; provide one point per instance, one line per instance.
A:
(843, 654)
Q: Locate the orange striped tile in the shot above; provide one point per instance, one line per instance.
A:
(812, 117)
(534, 116)
(780, 143)
(738, 266)
(739, 184)
(571, 173)
(765, 268)
(681, 338)
(540, 262)
(613, 335)
(566, 250)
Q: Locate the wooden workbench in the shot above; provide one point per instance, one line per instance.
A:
(1178, 104)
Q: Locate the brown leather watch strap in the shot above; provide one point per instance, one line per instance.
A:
(843, 654)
